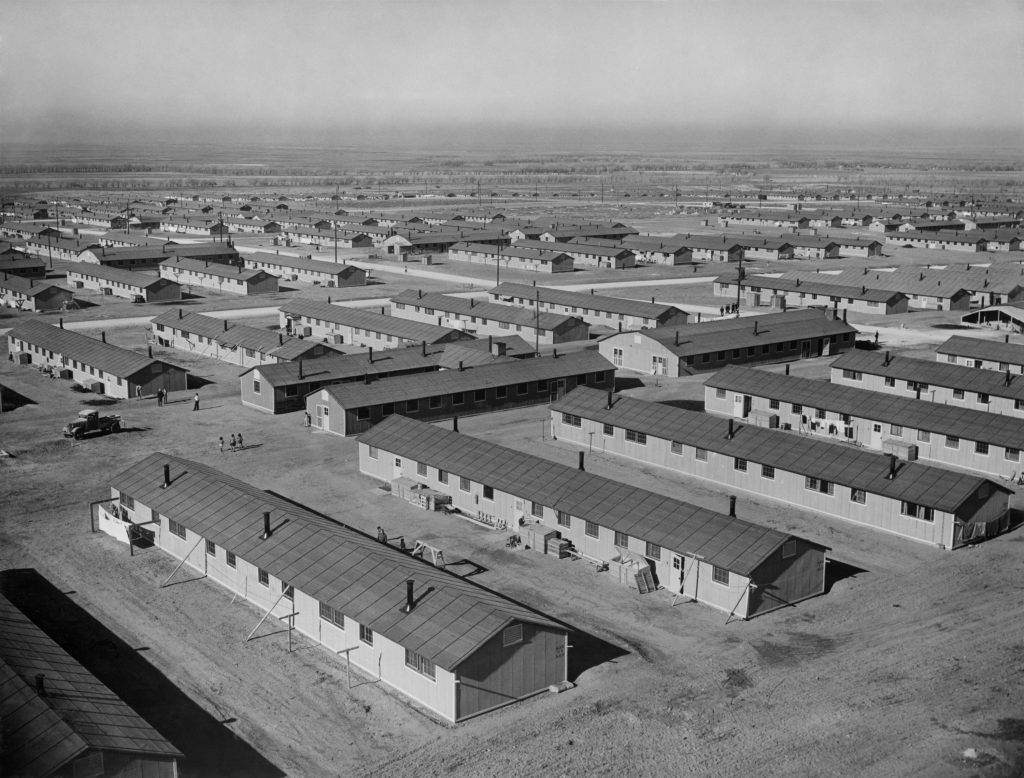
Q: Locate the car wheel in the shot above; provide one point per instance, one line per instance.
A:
(115, 427)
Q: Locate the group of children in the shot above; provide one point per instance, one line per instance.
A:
(234, 442)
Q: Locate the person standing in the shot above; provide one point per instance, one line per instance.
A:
(232, 443)
(240, 444)
(195, 402)
(222, 444)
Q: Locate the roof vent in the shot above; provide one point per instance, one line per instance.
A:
(267, 532)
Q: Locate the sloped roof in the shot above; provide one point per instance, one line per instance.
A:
(214, 269)
(78, 713)
(115, 274)
(231, 333)
(977, 348)
(484, 310)
(30, 287)
(331, 562)
(478, 350)
(346, 366)
(95, 353)
(371, 320)
(858, 468)
(732, 543)
(964, 423)
(708, 242)
(726, 334)
(815, 287)
(584, 300)
(506, 373)
(515, 250)
(570, 247)
(303, 263)
(933, 372)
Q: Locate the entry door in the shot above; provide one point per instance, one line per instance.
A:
(557, 389)
(678, 570)
(805, 348)
(658, 365)
(747, 403)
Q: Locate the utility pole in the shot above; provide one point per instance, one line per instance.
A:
(536, 327)
(739, 284)
(497, 275)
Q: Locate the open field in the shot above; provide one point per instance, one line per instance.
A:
(913, 656)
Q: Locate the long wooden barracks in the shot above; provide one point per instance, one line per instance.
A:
(922, 502)
(774, 337)
(940, 382)
(239, 344)
(596, 310)
(341, 325)
(437, 639)
(983, 354)
(728, 563)
(352, 408)
(483, 318)
(963, 437)
(96, 364)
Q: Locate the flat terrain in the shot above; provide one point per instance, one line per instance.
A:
(912, 657)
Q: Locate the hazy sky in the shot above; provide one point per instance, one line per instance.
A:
(81, 65)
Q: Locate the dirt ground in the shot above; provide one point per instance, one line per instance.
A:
(912, 664)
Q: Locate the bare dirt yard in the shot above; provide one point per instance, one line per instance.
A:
(912, 663)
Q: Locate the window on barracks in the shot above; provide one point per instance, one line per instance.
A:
(562, 518)
(176, 529)
(701, 454)
(536, 509)
(488, 492)
(522, 388)
(434, 402)
(738, 463)
(640, 438)
(819, 485)
(421, 468)
(591, 529)
(366, 634)
(211, 548)
(442, 476)
(463, 483)
(362, 413)
(501, 392)
(287, 591)
(412, 405)
(720, 575)
(256, 386)
(858, 495)
(420, 664)
(572, 420)
(480, 395)
(230, 558)
(263, 576)
(652, 551)
(621, 539)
